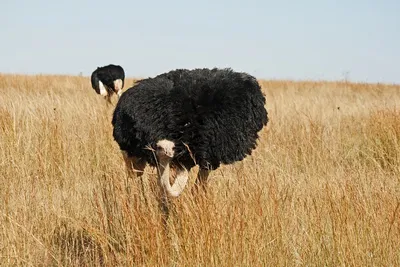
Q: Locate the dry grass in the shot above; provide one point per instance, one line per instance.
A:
(322, 189)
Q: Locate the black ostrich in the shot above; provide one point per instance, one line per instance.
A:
(183, 118)
(108, 80)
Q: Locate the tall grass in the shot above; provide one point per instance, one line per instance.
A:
(321, 189)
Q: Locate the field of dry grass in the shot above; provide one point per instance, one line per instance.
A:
(322, 188)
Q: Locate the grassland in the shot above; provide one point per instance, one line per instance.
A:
(322, 188)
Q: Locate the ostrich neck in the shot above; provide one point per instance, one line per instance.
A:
(180, 182)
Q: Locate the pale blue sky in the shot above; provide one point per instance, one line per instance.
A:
(299, 40)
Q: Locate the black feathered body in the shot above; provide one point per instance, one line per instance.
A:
(107, 75)
(212, 115)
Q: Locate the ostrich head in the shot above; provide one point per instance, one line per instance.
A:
(165, 153)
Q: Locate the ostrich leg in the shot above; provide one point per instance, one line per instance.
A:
(135, 167)
(201, 181)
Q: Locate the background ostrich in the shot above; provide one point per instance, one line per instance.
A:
(108, 80)
(185, 117)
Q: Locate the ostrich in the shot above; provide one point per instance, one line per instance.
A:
(108, 80)
(184, 118)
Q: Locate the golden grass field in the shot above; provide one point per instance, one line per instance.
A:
(321, 189)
